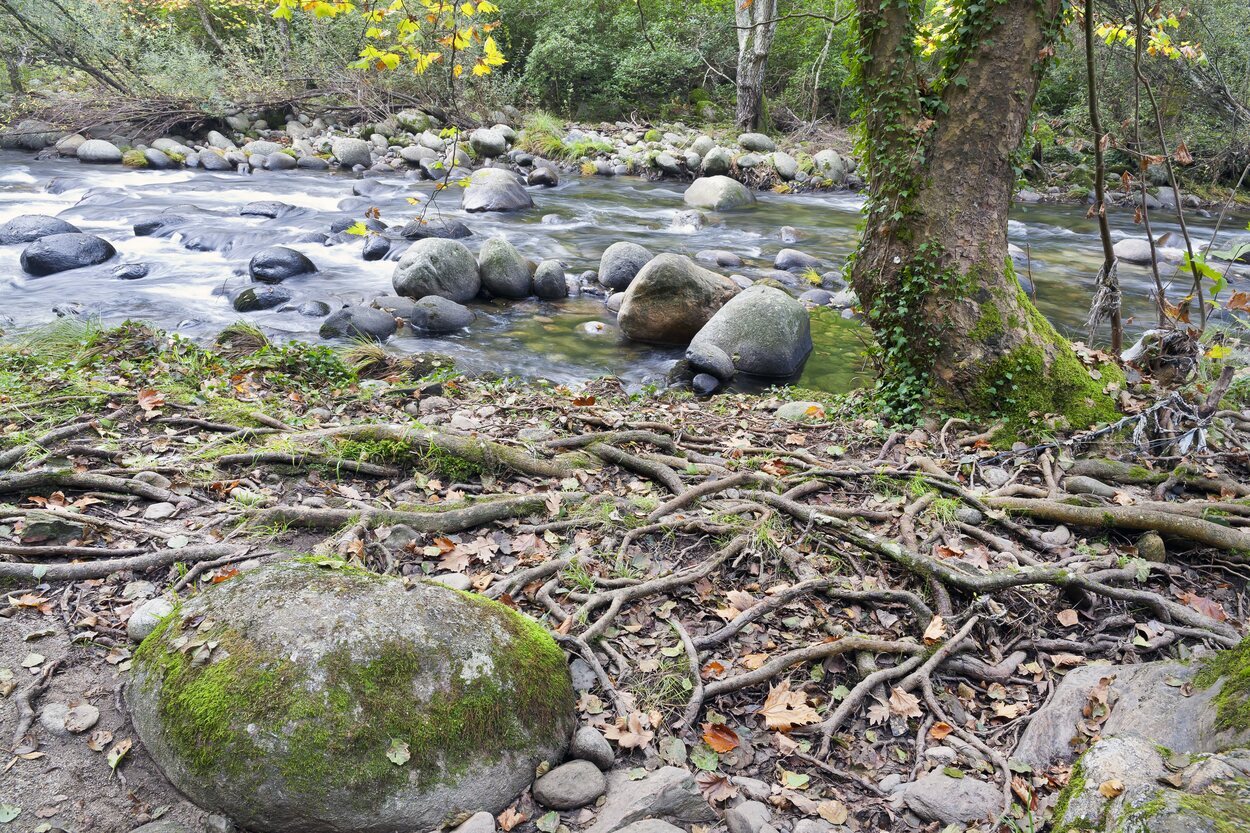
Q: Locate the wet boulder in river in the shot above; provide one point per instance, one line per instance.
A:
(792, 259)
(62, 252)
(718, 193)
(544, 176)
(341, 700)
(266, 208)
(277, 263)
(28, 228)
(435, 266)
(621, 263)
(488, 142)
(359, 322)
(445, 228)
(549, 282)
(671, 299)
(352, 152)
(258, 297)
(211, 160)
(764, 330)
(495, 189)
(99, 152)
(504, 273)
(433, 315)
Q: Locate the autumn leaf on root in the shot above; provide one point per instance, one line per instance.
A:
(720, 737)
(784, 709)
(904, 704)
(632, 732)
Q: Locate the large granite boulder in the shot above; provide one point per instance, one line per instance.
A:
(718, 193)
(352, 152)
(763, 330)
(313, 697)
(495, 189)
(437, 266)
(671, 299)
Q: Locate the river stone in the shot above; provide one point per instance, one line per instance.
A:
(157, 160)
(478, 822)
(549, 283)
(786, 166)
(146, 617)
(704, 384)
(589, 744)
(260, 297)
(621, 263)
(717, 161)
(168, 146)
(757, 142)
(504, 273)
(544, 176)
(830, 165)
(29, 134)
(748, 817)
(280, 162)
(211, 160)
(670, 794)
(494, 189)
(718, 193)
(671, 299)
(277, 263)
(939, 797)
(261, 147)
(165, 826)
(99, 152)
(359, 322)
(312, 163)
(764, 330)
(266, 208)
(445, 228)
(488, 142)
(375, 247)
(216, 140)
(352, 152)
(1149, 699)
(570, 786)
(433, 315)
(130, 271)
(709, 358)
(68, 145)
(60, 252)
(667, 163)
(791, 259)
(30, 227)
(336, 699)
(436, 266)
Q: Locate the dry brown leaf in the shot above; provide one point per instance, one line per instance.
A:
(938, 731)
(510, 818)
(834, 812)
(904, 704)
(720, 737)
(715, 787)
(783, 709)
(1068, 617)
(632, 732)
(935, 631)
(1111, 788)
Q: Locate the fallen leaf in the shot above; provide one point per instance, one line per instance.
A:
(938, 731)
(8, 812)
(784, 709)
(1207, 607)
(510, 818)
(834, 812)
(398, 753)
(1111, 788)
(118, 752)
(715, 787)
(935, 631)
(632, 732)
(1068, 617)
(720, 737)
(99, 739)
(904, 704)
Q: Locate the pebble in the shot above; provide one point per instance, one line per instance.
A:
(152, 478)
(478, 823)
(63, 719)
(589, 745)
(812, 826)
(748, 817)
(752, 787)
(570, 786)
(995, 476)
(159, 511)
(889, 782)
(584, 678)
(1151, 547)
(705, 384)
(968, 515)
(145, 618)
(1057, 536)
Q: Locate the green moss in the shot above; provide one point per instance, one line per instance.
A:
(333, 725)
(134, 158)
(1233, 701)
(652, 135)
(1075, 786)
(990, 324)
(1229, 813)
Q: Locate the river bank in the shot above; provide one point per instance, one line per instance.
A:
(732, 580)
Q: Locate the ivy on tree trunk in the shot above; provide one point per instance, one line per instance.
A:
(933, 272)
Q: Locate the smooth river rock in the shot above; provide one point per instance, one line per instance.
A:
(437, 266)
(764, 331)
(62, 252)
(671, 299)
(718, 193)
(621, 263)
(495, 189)
(28, 228)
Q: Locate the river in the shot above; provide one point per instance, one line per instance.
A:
(566, 341)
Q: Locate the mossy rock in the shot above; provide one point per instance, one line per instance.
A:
(134, 158)
(311, 696)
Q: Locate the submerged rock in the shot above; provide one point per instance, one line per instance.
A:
(300, 699)
(671, 299)
(62, 252)
(433, 315)
(259, 297)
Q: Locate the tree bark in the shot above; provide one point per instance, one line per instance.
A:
(757, 24)
(15, 75)
(933, 272)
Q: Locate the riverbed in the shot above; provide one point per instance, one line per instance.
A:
(566, 341)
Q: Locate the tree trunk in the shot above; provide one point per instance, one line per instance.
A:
(15, 75)
(933, 273)
(757, 24)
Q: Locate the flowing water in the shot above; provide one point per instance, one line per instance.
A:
(567, 341)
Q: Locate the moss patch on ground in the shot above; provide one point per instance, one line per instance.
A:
(1233, 701)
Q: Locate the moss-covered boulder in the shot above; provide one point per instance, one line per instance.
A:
(309, 696)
